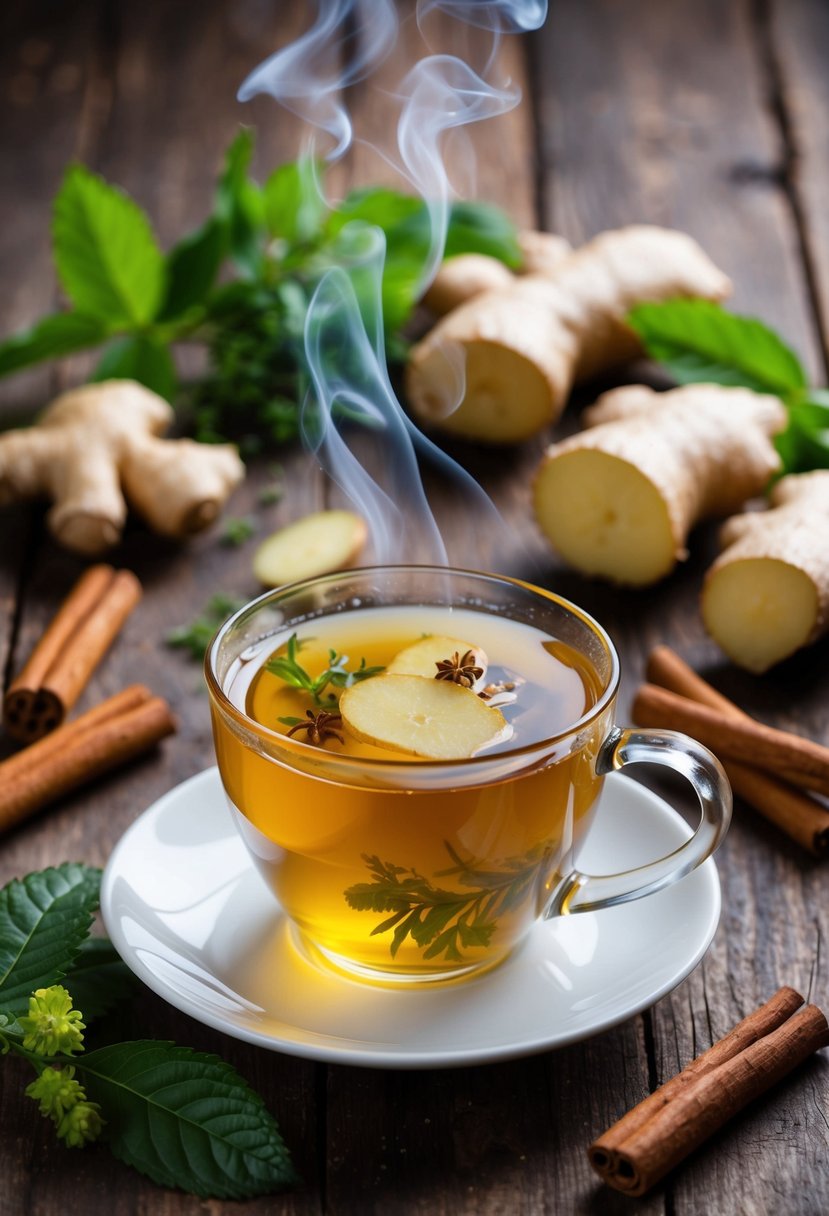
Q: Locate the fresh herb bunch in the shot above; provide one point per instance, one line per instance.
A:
(699, 342)
(145, 1098)
(287, 668)
(239, 285)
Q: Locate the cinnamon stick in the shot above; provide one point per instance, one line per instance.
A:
(74, 643)
(643, 1146)
(112, 733)
(795, 759)
(803, 819)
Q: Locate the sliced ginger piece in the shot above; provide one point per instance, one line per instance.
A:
(767, 594)
(605, 517)
(423, 656)
(620, 498)
(759, 610)
(422, 717)
(316, 544)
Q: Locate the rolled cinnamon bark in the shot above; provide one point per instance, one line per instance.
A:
(695, 1109)
(798, 760)
(803, 819)
(75, 641)
(112, 733)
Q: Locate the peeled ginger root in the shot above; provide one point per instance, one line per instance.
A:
(99, 446)
(500, 367)
(619, 499)
(767, 594)
(435, 719)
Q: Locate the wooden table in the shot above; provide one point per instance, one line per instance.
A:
(706, 116)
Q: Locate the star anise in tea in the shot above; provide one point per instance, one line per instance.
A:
(460, 669)
(319, 727)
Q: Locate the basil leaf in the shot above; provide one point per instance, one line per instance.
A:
(44, 918)
(98, 979)
(139, 357)
(53, 336)
(105, 253)
(294, 206)
(192, 266)
(482, 228)
(698, 341)
(186, 1119)
(239, 206)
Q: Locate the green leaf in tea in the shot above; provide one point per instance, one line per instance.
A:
(187, 1120)
(286, 667)
(107, 258)
(44, 918)
(697, 341)
(438, 920)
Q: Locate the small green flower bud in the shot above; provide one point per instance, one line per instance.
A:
(56, 1091)
(81, 1124)
(52, 1026)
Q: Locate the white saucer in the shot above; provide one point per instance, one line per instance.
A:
(190, 915)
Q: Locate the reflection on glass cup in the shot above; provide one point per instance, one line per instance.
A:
(400, 868)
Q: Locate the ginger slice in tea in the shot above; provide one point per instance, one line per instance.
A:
(435, 719)
(425, 657)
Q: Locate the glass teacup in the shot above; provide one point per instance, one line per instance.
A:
(405, 869)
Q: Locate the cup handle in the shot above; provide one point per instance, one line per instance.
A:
(579, 892)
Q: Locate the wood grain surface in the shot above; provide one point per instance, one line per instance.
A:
(707, 116)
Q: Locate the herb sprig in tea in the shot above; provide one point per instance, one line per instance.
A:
(440, 921)
(287, 668)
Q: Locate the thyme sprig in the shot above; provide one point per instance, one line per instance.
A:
(287, 668)
(440, 921)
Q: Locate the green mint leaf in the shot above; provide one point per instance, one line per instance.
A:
(98, 979)
(60, 334)
(192, 267)
(482, 228)
(239, 206)
(106, 256)
(143, 358)
(698, 341)
(44, 918)
(294, 206)
(186, 1119)
(804, 444)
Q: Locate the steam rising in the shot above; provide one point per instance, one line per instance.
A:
(344, 327)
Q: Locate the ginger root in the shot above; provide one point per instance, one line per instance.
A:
(97, 447)
(619, 499)
(767, 594)
(500, 367)
(469, 274)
